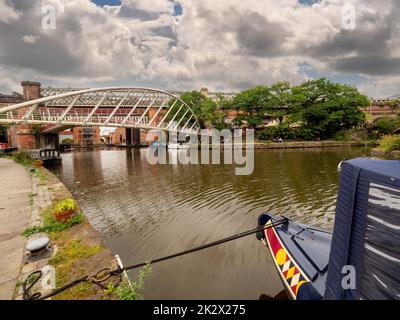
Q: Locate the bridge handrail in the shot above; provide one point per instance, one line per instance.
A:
(80, 92)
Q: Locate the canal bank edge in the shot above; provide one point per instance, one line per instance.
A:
(391, 155)
(313, 144)
(78, 250)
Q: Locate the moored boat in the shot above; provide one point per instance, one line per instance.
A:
(300, 254)
(361, 258)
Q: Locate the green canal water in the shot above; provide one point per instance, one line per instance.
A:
(147, 211)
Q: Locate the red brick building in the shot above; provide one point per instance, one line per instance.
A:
(21, 135)
(120, 135)
(86, 136)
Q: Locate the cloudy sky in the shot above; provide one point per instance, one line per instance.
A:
(189, 44)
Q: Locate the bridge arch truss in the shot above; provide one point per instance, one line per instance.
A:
(126, 107)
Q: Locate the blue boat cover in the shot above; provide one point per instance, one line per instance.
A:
(366, 236)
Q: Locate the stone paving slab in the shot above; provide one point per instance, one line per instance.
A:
(15, 216)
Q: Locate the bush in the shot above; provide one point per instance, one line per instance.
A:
(342, 136)
(306, 134)
(281, 130)
(23, 158)
(133, 291)
(51, 225)
(65, 205)
(386, 125)
(390, 143)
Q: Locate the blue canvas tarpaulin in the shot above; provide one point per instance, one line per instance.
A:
(367, 231)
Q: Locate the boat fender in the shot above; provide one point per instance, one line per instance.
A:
(261, 221)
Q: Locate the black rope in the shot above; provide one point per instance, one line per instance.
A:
(97, 278)
(37, 295)
(205, 246)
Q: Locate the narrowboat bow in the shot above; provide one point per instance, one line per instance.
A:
(312, 263)
(300, 254)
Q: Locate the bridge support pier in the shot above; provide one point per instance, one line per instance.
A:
(132, 137)
(21, 136)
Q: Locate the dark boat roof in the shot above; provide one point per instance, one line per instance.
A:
(309, 247)
(366, 235)
(389, 168)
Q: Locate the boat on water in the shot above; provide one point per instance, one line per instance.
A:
(5, 149)
(360, 259)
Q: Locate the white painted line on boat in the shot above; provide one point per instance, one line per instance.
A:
(383, 222)
(384, 187)
(382, 254)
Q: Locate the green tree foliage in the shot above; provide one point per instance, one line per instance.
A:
(386, 125)
(3, 128)
(208, 112)
(36, 129)
(202, 107)
(311, 110)
(133, 290)
(281, 101)
(68, 141)
(325, 108)
(282, 130)
(251, 106)
(390, 143)
(394, 104)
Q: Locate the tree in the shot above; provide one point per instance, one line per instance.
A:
(280, 101)
(251, 105)
(385, 125)
(203, 107)
(325, 107)
(224, 106)
(208, 112)
(394, 104)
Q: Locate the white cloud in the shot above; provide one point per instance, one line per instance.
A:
(220, 44)
(8, 13)
(30, 38)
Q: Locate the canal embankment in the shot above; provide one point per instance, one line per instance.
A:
(312, 144)
(26, 214)
(258, 145)
(390, 155)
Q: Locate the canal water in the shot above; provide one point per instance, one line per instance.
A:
(147, 211)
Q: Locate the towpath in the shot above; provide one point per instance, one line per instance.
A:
(15, 216)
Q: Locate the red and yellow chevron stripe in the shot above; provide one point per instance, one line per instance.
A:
(291, 274)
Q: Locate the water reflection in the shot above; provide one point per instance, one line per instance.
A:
(146, 211)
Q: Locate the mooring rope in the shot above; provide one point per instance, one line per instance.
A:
(105, 273)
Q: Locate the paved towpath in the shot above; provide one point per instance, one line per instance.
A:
(15, 216)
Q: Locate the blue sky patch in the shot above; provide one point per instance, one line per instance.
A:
(309, 2)
(177, 9)
(347, 78)
(177, 6)
(107, 2)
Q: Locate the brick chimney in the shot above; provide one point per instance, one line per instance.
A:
(204, 91)
(30, 90)
(21, 134)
